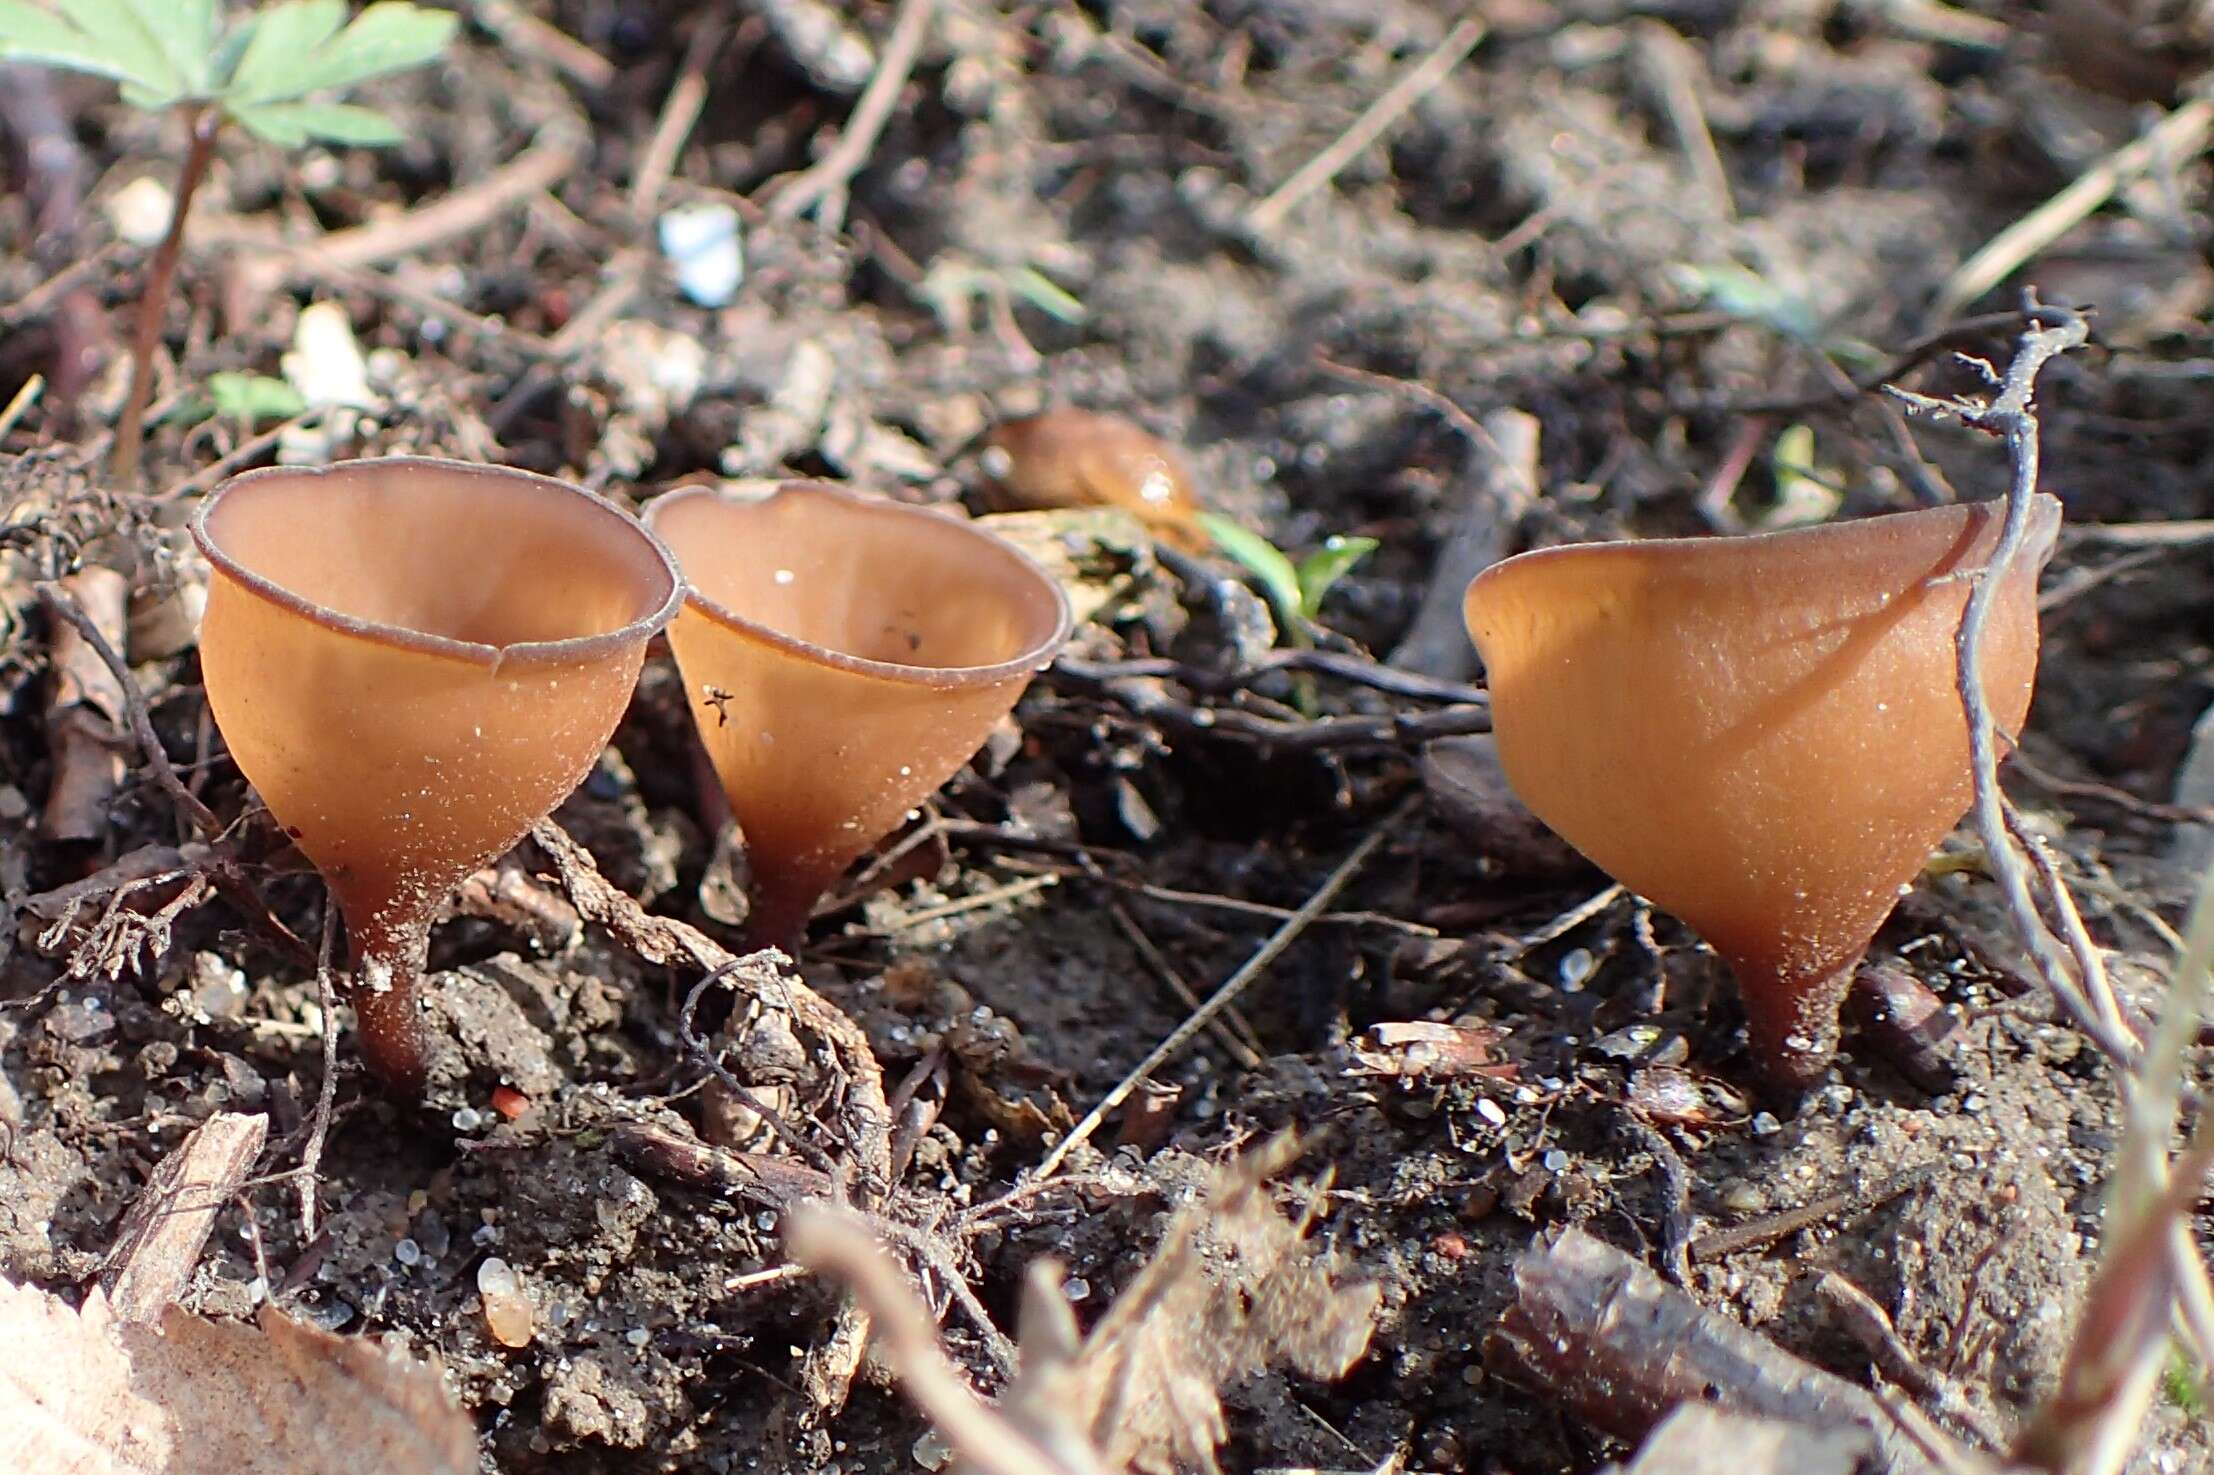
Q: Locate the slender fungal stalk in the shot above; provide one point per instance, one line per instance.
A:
(205, 124)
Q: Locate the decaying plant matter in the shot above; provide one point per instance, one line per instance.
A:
(1234, 1287)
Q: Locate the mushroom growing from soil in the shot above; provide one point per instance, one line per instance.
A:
(1076, 458)
(1762, 735)
(413, 661)
(843, 656)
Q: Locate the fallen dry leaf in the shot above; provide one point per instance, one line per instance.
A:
(81, 1394)
(1235, 1287)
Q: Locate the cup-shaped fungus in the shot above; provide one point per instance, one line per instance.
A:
(843, 656)
(1076, 458)
(413, 661)
(1762, 735)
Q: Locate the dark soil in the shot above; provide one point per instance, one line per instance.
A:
(1531, 236)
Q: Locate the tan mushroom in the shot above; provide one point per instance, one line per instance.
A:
(843, 656)
(413, 661)
(1076, 458)
(1762, 735)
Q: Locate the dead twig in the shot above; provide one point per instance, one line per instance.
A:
(2078, 982)
(1868, 1324)
(544, 41)
(1602, 1335)
(2128, 803)
(1144, 698)
(1718, 1244)
(864, 1115)
(2174, 138)
(1374, 121)
(1358, 670)
(1232, 986)
(703, 1051)
(326, 1092)
(679, 112)
(834, 1244)
(823, 185)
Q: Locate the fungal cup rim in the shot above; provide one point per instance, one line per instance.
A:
(1035, 658)
(475, 653)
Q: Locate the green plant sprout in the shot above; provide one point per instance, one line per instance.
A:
(247, 398)
(1296, 589)
(262, 73)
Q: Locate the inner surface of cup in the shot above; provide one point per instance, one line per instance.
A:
(870, 585)
(440, 555)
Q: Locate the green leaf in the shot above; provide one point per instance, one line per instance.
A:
(120, 31)
(185, 32)
(1042, 292)
(31, 34)
(281, 36)
(253, 397)
(389, 36)
(1279, 580)
(1749, 296)
(1324, 567)
(290, 124)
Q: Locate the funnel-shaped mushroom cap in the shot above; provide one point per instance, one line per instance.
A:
(414, 661)
(843, 656)
(1762, 735)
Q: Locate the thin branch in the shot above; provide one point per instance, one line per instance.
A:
(1232, 986)
(1413, 84)
(1142, 698)
(2174, 138)
(319, 1126)
(822, 186)
(2010, 415)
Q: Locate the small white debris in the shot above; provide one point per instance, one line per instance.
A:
(139, 211)
(408, 1252)
(705, 244)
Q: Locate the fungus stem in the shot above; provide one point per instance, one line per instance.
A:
(205, 124)
(781, 904)
(388, 951)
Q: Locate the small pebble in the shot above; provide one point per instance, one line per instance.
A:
(507, 1309)
(467, 1119)
(408, 1252)
(638, 1336)
(1766, 1125)
(933, 1453)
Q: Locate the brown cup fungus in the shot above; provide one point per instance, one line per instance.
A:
(1076, 458)
(843, 656)
(1762, 735)
(413, 661)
